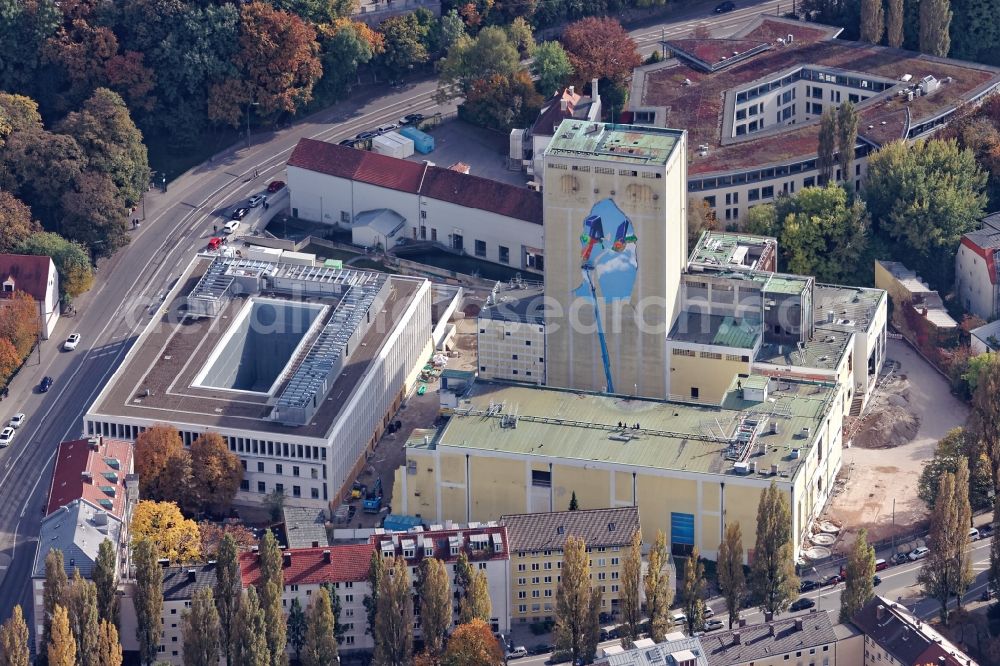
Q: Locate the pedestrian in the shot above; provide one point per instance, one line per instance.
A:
(266, 205)
(215, 228)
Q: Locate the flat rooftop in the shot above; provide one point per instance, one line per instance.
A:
(694, 98)
(562, 424)
(625, 144)
(525, 305)
(718, 330)
(823, 351)
(157, 380)
(847, 308)
(732, 250)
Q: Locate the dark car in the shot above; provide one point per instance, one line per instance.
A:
(725, 7)
(411, 119)
(541, 648)
(833, 580)
(802, 604)
(900, 558)
(240, 213)
(876, 581)
(275, 186)
(347, 142)
(807, 585)
(606, 618)
(365, 135)
(985, 531)
(45, 385)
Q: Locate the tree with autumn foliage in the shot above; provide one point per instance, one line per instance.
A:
(212, 535)
(600, 48)
(278, 62)
(473, 644)
(19, 323)
(158, 462)
(404, 47)
(502, 102)
(173, 536)
(16, 221)
(216, 473)
(345, 45)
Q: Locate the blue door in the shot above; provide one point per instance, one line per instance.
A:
(681, 533)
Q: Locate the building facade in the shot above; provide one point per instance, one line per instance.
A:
(616, 242)
(37, 277)
(977, 283)
(893, 635)
(510, 342)
(810, 639)
(537, 541)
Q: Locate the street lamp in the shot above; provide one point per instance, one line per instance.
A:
(248, 120)
(819, 597)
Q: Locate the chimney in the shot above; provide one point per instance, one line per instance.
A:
(880, 612)
(736, 638)
(192, 575)
(287, 559)
(798, 624)
(164, 562)
(86, 476)
(563, 104)
(593, 89)
(572, 90)
(326, 557)
(94, 443)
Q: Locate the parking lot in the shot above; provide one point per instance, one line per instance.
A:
(484, 151)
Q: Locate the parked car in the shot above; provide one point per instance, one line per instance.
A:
(714, 625)
(541, 648)
(256, 200)
(17, 420)
(231, 226)
(834, 579)
(361, 136)
(807, 585)
(388, 128)
(985, 531)
(347, 142)
(881, 564)
(71, 342)
(6, 436)
(411, 119)
(724, 7)
(876, 581)
(239, 213)
(45, 385)
(608, 633)
(517, 652)
(802, 604)
(919, 553)
(707, 612)
(276, 185)
(973, 534)
(900, 558)
(606, 618)
(678, 618)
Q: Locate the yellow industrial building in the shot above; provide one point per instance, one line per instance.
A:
(511, 449)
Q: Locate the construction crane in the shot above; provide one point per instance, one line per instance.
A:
(588, 269)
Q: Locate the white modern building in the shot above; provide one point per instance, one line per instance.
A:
(298, 367)
(483, 218)
(977, 278)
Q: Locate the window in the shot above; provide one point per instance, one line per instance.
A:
(710, 201)
(767, 192)
(741, 129)
(260, 467)
(260, 487)
(816, 109)
(279, 469)
(741, 114)
(753, 194)
(480, 248)
(541, 479)
(694, 391)
(296, 491)
(504, 255)
(534, 566)
(245, 485)
(295, 470)
(279, 488)
(548, 565)
(345, 216)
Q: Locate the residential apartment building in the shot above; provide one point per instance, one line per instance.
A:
(977, 281)
(770, 82)
(486, 545)
(37, 277)
(537, 541)
(179, 586)
(527, 146)
(343, 568)
(808, 640)
(483, 218)
(675, 650)
(894, 636)
(91, 498)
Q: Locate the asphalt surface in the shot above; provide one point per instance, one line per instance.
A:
(131, 285)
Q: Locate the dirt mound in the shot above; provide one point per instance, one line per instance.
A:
(890, 421)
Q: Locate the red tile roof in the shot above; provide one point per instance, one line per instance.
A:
(30, 273)
(430, 181)
(347, 563)
(441, 542)
(552, 112)
(698, 106)
(78, 457)
(360, 165)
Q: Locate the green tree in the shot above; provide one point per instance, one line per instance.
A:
(27, 25)
(376, 571)
(974, 34)
(729, 568)
(692, 589)
(471, 60)
(935, 23)
(55, 591)
(858, 582)
(109, 648)
(822, 233)
(271, 585)
(394, 617)
(659, 588)
(404, 49)
(701, 218)
(476, 603)
(847, 134)
(573, 504)
(14, 649)
(434, 592)
(93, 214)
(963, 558)
(71, 259)
(629, 602)
(320, 645)
(521, 36)
(473, 644)
(994, 570)
(957, 444)
(250, 644)
(82, 611)
(148, 600)
(296, 627)
(575, 627)
(41, 167)
(894, 27)
(922, 198)
(984, 421)
(452, 29)
(343, 49)
(61, 646)
(762, 220)
(940, 575)
(228, 591)
(827, 145)
(552, 68)
(772, 574)
(894, 23)
(103, 128)
(872, 21)
(502, 102)
(106, 580)
(201, 630)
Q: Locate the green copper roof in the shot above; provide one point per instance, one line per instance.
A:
(626, 144)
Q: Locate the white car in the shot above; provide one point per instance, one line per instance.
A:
(919, 553)
(71, 342)
(17, 420)
(231, 226)
(6, 436)
(256, 200)
(388, 128)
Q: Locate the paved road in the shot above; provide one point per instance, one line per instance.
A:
(178, 223)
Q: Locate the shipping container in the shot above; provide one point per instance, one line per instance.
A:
(423, 143)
